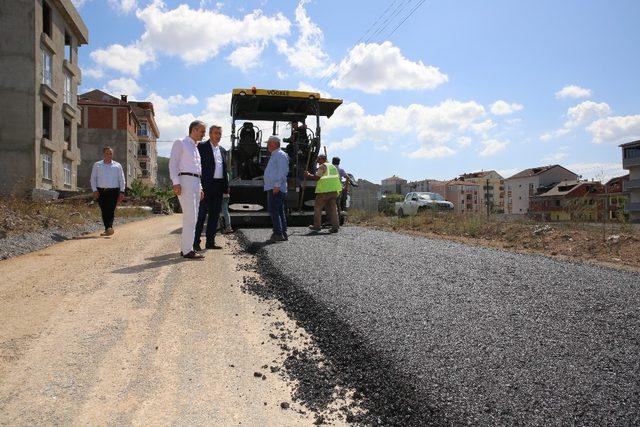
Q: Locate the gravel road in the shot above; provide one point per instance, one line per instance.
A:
(436, 332)
(122, 331)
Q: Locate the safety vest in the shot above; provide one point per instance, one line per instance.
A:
(330, 182)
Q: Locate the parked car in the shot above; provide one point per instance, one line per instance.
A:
(421, 201)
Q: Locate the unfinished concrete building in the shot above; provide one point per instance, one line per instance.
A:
(631, 162)
(107, 120)
(39, 76)
(148, 134)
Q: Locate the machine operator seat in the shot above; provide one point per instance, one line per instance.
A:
(248, 148)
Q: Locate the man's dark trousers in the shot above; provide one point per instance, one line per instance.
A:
(211, 206)
(107, 200)
(275, 206)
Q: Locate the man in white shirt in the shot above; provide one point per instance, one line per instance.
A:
(185, 171)
(108, 185)
(215, 183)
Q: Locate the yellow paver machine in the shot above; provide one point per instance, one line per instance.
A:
(262, 113)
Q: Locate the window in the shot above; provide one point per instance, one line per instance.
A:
(143, 166)
(142, 151)
(128, 169)
(632, 153)
(46, 18)
(46, 67)
(68, 47)
(68, 92)
(46, 121)
(67, 172)
(143, 129)
(67, 133)
(46, 165)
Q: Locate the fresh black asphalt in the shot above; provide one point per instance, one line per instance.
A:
(433, 332)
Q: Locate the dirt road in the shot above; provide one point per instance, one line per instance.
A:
(123, 331)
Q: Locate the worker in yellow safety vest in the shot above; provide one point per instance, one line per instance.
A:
(327, 189)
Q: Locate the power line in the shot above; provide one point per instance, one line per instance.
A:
(407, 17)
(326, 79)
(390, 19)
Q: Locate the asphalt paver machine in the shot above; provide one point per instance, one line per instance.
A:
(257, 114)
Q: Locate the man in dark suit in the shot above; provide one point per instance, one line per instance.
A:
(215, 183)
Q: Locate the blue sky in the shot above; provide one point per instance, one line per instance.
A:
(460, 86)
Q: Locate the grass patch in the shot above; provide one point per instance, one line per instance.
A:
(18, 215)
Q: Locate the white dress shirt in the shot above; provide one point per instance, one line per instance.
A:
(185, 157)
(217, 174)
(107, 175)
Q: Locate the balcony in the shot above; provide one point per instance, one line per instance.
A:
(630, 162)
(633, 184)
(632, 207)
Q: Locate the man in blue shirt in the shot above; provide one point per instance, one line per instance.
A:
(275, 184)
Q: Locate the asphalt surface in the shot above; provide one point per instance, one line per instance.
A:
(437, 332)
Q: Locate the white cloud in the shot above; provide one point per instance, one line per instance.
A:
(78, 3)
(573, 91)
(306, 55)
(123, 86)
(282, 75)
(557, 156)
(491, 147)
(181, 100)
(502, 108)
(464, 141)
(306, 87)
(432, 127)
(483, 127)
(246, 57)
(598, 171)
(96, 73)
(586, 112)
(431, 152)
(615, 130)
(197, 35)
(373, 68)
(123, 6)
(579, 115)
(125, 59)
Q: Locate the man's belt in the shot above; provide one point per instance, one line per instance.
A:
(190, 174)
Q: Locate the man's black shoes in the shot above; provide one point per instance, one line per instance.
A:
(197, 247)
(277, 238)
(192, 255)
(212, 246)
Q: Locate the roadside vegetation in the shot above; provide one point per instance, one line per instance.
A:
(615, 243)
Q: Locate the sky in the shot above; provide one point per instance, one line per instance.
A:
(431, 88)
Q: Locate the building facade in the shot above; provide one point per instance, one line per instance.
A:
(528, 183)
(107, 120)
(393, 185)
(148, 134)
(39, 76)
(570, 201)
(464, 195)
(493, 189)
(617, 197)
(631, 162)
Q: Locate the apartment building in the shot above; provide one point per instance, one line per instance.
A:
(38, 85)
(570, 200)
(420, 186)
(107, 120)
(617, 197)
(530, 182)
(631, 162)
(464, 195)
(393, 185)
(493, 191)
(148, 134)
